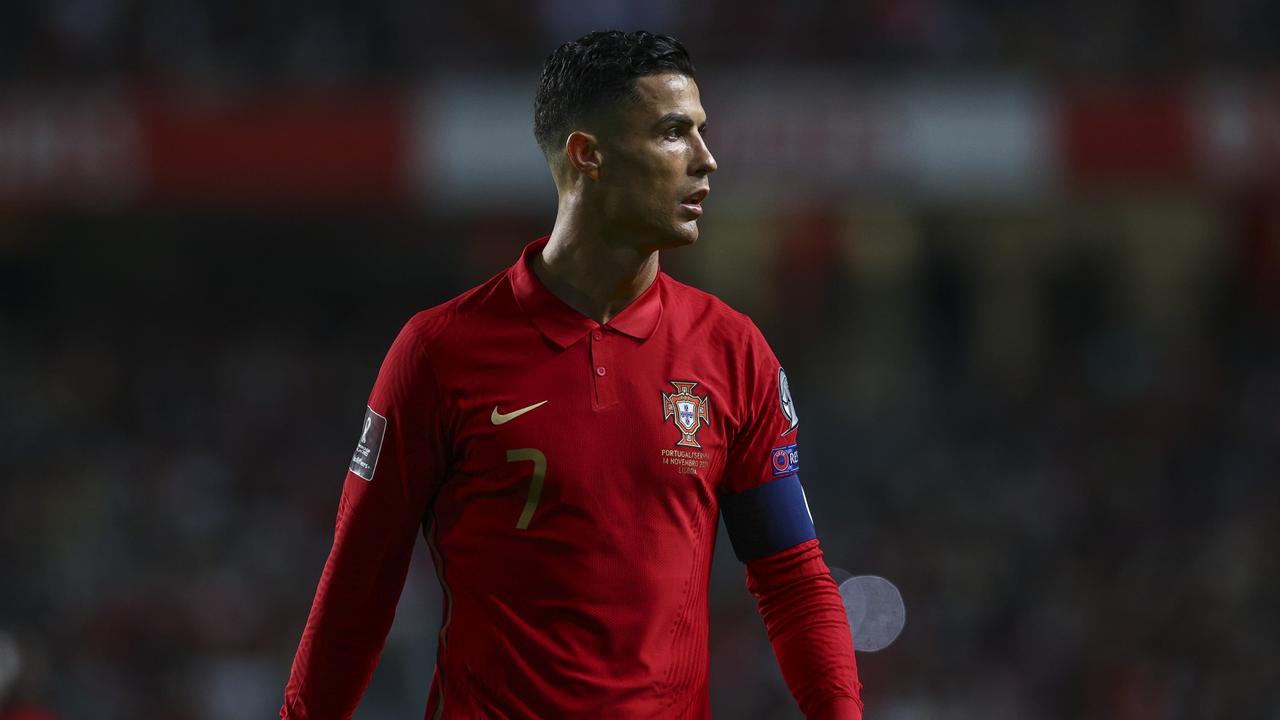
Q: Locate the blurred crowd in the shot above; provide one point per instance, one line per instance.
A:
(1055, 428)
(336, 42)
(171, 475)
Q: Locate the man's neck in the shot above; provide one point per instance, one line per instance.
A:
(591, 275)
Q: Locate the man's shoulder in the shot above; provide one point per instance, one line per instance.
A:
(432, 325)
(699, 307)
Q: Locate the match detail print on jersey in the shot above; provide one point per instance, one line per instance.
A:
(364, 461)
(498, 418)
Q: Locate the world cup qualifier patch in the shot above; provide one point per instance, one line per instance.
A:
(785, 460)
(787, 405)
(364, 461)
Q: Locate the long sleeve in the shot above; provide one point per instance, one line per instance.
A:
(398, 460)
(809, 631)
(767, 516)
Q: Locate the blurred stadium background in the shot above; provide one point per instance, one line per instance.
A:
(1021, 261)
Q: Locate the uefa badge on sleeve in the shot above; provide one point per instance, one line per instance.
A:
(785, 460)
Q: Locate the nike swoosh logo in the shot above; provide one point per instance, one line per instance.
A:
(498, 418)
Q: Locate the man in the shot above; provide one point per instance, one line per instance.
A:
(568, 434)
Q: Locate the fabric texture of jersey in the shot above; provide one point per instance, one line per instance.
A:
(568, 477)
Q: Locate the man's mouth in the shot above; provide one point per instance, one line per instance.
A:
(692, 203)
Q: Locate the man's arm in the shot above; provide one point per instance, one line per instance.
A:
(384, 497)
(809, 630)
(768, 520)
(797, 598)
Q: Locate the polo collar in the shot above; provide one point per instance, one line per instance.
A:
(565, 326)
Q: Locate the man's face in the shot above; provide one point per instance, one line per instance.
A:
(655, 163)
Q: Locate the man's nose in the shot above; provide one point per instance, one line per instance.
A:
(704, 162)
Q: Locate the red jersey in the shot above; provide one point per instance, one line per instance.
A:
(568, 477)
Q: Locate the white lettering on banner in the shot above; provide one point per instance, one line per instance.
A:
(54, 147)
(1237, 132)
(989, 136)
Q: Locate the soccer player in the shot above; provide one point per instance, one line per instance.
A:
(568, 434)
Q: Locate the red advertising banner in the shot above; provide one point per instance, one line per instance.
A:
(346, 151)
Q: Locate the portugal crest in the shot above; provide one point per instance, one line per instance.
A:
(689, 410)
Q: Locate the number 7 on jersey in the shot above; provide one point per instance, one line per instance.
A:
(535, 485)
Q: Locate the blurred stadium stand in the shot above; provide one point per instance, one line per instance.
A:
(1021, 260)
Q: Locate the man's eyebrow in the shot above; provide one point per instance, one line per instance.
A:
(675, 118)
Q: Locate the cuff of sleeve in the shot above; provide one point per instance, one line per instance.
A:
(840, 707)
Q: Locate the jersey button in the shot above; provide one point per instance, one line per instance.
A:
(597, 335)
(600, 371)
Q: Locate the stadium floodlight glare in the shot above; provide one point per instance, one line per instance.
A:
(874, 607)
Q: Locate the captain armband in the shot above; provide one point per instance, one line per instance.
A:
(769, 518)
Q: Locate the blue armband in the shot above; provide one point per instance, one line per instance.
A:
(765, 519)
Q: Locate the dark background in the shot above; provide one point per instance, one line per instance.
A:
(1049, 412)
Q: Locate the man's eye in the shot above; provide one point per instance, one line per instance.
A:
(672, 133)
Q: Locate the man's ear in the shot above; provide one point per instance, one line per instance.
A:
(583, 153)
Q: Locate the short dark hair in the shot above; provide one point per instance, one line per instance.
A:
(599, 68)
